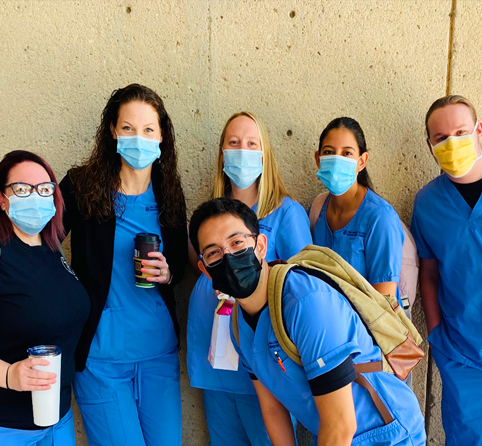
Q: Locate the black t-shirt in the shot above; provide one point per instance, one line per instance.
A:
(470, 192)
(335, 379)
(41, 302)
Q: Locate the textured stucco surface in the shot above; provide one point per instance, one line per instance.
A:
(466, 66)
(297, 64)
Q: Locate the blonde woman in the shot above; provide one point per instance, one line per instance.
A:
(246, 171)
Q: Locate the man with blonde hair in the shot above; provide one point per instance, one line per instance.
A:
(447, 227)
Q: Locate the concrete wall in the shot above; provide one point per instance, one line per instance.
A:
(297, 64)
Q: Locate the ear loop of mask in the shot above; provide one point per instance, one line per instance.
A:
(476, 142)
(3, 193)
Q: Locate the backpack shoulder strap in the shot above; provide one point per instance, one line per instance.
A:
(315, 209)
(410, 265)
(276, 283)
(234, 322)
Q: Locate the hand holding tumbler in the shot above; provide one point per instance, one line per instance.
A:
(46, 403)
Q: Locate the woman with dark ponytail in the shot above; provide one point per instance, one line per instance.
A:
(351, 219)
(127, 380)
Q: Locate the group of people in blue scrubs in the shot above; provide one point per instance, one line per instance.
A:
(127, 383)
(366, 231)
(354, 221)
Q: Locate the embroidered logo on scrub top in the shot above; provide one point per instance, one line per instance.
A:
(151, 209)
(353, 234)
(266, 228)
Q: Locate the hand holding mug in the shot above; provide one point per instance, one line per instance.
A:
(157, 268)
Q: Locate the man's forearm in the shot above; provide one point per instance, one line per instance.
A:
(429, 278)
(276, 418)
(334, 435)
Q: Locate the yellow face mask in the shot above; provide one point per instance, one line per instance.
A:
(457, 154)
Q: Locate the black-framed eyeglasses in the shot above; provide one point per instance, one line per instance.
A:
(24, 190)
(236, 246)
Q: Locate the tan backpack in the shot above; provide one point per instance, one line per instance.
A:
(410, 263)
(384, 319)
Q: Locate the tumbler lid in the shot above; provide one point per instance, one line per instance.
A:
(146, 237)
(44, 350)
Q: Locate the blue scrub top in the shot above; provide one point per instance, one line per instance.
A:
(135, 324)
(326, 331)
(447, 229)
(371, 242)
(288, 231)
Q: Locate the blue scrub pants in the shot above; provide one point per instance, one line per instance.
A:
(131, 403)
(234, 419)
(461, 401)
(62, 434)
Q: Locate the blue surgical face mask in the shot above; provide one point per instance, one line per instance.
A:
(138, 152)
(243, 167)
(31, 214)
(337, 173)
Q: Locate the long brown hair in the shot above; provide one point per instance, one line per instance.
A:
(54, 229)
(97, 180)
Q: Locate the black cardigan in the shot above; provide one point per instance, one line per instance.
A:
(92, 244)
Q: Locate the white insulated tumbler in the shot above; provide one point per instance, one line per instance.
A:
(46, 403)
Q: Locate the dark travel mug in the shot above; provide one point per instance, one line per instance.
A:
(144, 243)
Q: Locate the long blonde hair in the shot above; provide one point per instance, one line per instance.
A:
(271, 189)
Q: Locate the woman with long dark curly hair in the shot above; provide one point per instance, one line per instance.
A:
(127, 384)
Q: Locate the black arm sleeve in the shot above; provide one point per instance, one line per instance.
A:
(335, 379)
(253, 376)
(175, 242)
(174, 238)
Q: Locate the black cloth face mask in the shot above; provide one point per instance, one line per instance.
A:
(238, 276)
